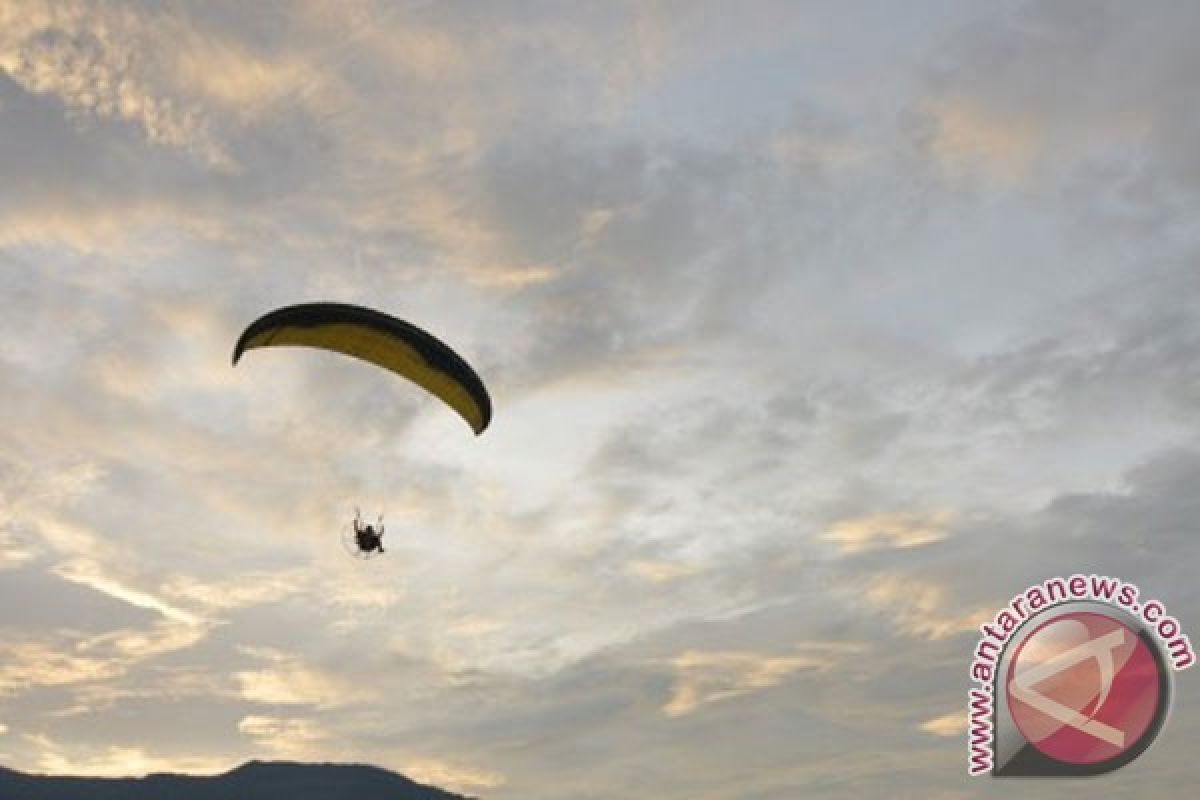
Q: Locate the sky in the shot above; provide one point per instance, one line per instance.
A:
(815, 331)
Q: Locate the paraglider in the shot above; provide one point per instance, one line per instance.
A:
(383, 341)
(378, 339)
(368, 539)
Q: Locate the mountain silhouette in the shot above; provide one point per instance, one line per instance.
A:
(254, 780)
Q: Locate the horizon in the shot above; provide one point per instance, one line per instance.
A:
(253, 779)
(247, 763)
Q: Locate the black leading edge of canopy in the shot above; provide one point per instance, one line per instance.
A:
(436, 353)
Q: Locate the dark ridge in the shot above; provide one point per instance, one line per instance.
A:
(254, 780)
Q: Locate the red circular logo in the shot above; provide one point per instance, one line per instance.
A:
(1084, 688)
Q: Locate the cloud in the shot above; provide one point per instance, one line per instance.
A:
(661, 571)
(288, 681)
(950, 725)
(970, 138)
(994, 112)
(703, 677)
(13, 553)
(294, 738)
(31, 662)
(132, 646)
(448, 775)
(181, 85)
(511, 278)
(124, 648)
(94, 68)
(70, 658)
(146, 687)
(895, 530)
(92, 575)
(924, 609)
(473, 626)
(280, 729)
(89, 660)
(246, 591)
(56, 758)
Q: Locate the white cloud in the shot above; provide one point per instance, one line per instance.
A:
(13, 553)
(93, 575)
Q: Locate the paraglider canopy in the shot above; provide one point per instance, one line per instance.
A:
(378, 339)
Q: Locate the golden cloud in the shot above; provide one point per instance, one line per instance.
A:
(68, 657)
(661, 571)
(287, 681)
(704, 677)
(948, 725)
(471, 626)
(155, 684)
(971, 137)
(116, 762)
(155, 70)
(246, 591)
(285, 737)
(105, 61)
(921, 608)
(896, 530)
(511, 278)
(454, 777)
(48, 661)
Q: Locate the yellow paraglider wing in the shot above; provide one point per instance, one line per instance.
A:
(381, 340)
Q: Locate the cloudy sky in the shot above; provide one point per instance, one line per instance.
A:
(814, 330)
